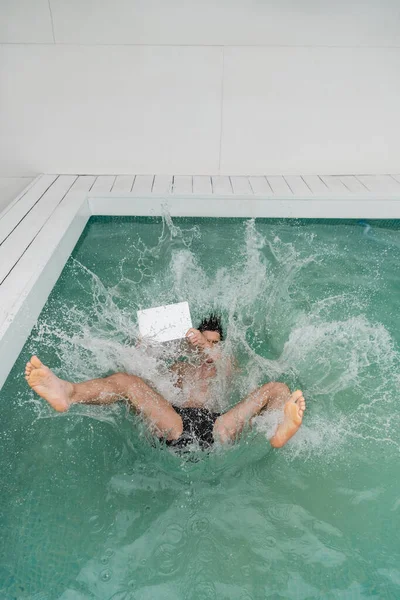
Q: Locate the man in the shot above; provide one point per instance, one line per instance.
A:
(193, 422)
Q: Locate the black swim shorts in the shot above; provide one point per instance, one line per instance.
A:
(198, 426)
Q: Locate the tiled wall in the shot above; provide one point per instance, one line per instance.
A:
(207, 87)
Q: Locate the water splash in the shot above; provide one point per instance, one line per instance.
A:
(277, 326)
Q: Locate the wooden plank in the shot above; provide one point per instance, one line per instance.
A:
(380, 183)
(202, 184)
(241, 186)
(123, 184)
(12, 189)
(260, 186)
(221, 185)
(334, 184)
(182, 184)
(353, 184)
(103, 184)
(255, 206)
(83, 183)
(279, 185)
(162, 184)
(298, 185)
(15, 244)
(316, 185)
(143, 184)
(26, 289)
(26, 201)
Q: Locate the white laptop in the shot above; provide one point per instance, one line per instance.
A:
(165, 323)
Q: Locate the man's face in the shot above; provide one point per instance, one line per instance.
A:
(212, 336)
(213, 353)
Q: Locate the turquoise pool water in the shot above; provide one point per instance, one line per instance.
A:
(91, 508)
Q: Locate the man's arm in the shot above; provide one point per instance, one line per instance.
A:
(228, 364)
(196, 338)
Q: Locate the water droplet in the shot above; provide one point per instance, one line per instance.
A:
(270, 541)
(245, 569)
(281, 512)
(167, 558)
(105, 575)
(200, 525)
(174, 533)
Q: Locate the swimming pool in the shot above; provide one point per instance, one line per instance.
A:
(41, 226)
(92, 509)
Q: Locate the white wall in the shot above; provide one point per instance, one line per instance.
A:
(206, 86)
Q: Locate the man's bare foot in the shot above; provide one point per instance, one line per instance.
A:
(294, 411)
(42, 380)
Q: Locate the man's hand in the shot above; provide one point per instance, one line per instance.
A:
(196, 338)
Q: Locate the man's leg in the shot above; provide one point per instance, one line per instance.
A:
(61, 394)
(271, 396)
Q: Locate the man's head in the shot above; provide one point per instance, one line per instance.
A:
(211, 328)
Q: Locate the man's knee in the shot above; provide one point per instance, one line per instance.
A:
(275, 388)
(123, 381)
(176, 428)
(223, 433)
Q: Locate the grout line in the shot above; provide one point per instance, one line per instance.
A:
(325, 184)
(113, 183)
(394, 178)
(269, 185)
(343, 183)
(95, 179)
(222, 110)
(251, 187)
(363, 184)
(52, 21)
(171, 45)
(306, 184)
(284, 178)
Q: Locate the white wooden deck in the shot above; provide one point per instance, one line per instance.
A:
(311, 185)
(39, 228)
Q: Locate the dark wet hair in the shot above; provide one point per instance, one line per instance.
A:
(212, 323)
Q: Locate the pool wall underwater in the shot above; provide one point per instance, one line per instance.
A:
(29, 279)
